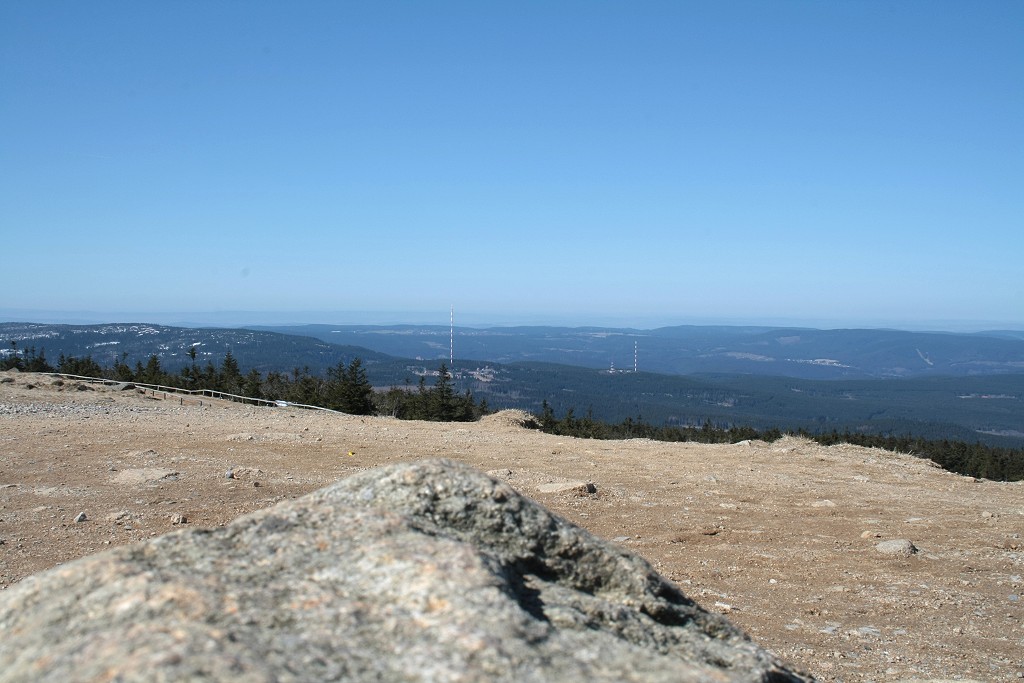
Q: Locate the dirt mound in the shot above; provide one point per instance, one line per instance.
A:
(510, 418)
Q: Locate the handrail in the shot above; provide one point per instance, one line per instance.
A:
(211, 393)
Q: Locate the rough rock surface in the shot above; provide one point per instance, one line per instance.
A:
(415, 572)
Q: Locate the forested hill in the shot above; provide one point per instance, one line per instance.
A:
(136, 342)
(987, 407)
(684, 350)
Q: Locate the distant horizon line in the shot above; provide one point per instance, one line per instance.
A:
(478, 320)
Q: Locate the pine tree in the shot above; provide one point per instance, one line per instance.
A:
(252, 386)
(548, 421)
(152, 373)
(442, 397)
(230, 377)
(13, 361)
(349, 390)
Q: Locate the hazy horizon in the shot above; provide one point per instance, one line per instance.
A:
(641, 164)
(469, 319)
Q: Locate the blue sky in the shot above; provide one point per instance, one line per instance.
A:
(644, 163)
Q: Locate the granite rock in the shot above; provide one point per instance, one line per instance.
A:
(415, 572)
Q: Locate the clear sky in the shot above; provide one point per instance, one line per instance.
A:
(636, 163)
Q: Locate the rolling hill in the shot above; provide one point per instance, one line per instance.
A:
(135, 342)
(969, 407)
(685, 350)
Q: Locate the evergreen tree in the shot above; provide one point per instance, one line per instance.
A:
(275, 387)
(441, 404)
(349, 390)
(252, 385)
(207, 379)
(85, 367)
(416, 406)
(152, 373)
(464, 408)
(358, 390)
(122, 371)
(191, 373)
(13, 361)
(37, 363)
(230, 378)
(548, 421)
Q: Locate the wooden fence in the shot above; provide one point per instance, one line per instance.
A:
(154, 389)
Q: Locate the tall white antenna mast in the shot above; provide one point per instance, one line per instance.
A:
(451, 341)
(634, 356)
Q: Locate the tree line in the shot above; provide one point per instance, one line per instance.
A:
(344, 388)
(971, 459)
(25, 360)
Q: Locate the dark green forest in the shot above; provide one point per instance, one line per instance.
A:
(985, 408)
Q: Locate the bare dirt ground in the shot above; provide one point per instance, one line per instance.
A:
(781, 537)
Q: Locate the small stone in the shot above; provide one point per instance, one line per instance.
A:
(81, 517)
(500, 474)
(899, 547)
(230, 474)
(579, 488)
(823, 504)
(255, 484)
(178, 519)
(870, 534)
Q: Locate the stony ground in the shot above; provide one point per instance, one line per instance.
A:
(781, 537)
